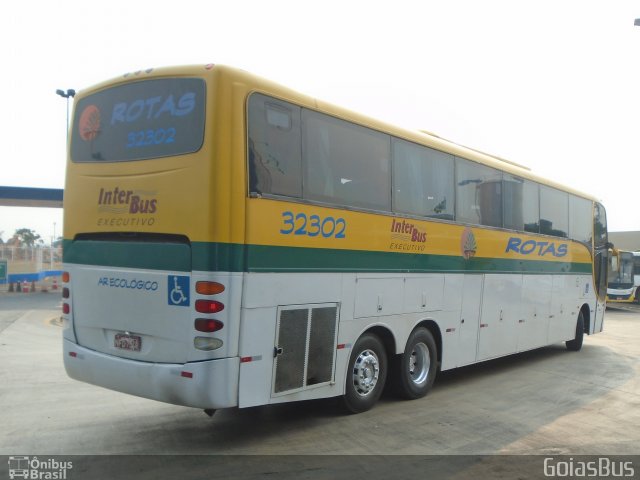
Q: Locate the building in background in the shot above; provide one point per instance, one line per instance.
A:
(625, 240)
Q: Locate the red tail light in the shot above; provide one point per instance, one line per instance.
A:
(209, 306)
(65, 277)
(208, 325)
(66, 308)
(65, 292)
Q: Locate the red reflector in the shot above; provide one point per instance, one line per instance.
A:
(65, 277)
(254, 358)
(65, 292)
(66, 308)
(209, 306)
(73, 354)
(209, 288)
(341, 346)
(186, 374)
(208, 325)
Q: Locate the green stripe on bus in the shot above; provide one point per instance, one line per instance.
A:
(143, 255)
(287, 259)
(259, 258)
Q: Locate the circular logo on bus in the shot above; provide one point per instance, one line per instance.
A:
(468, 244)
(89, 124)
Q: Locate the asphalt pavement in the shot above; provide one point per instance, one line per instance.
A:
(544, 402)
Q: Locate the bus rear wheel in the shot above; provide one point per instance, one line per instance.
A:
(414, 371)
(576, 344)
(366, 375)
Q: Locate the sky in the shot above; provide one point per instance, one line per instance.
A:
(551, 84)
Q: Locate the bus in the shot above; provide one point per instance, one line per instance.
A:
(621, 287)
(636, 276)
(230, 242)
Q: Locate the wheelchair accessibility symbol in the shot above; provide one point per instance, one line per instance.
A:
(178, 294)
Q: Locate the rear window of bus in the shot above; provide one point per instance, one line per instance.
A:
(140, 120)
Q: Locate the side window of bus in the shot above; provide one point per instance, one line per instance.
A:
(345, 163)
(423, 181)
(554, 212)
(275, 160)
(521, 204)
(478, 194)
(580, 219)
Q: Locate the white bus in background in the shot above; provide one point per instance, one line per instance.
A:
(621, 287)
(636, 276)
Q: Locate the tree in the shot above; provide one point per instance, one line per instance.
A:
(27, 236)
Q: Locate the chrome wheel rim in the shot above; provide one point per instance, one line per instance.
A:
(366, 371)
(419, 364)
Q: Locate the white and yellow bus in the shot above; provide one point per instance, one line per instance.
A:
(636, 276)
(230, 242)
(621, 287)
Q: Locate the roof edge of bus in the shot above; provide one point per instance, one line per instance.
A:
(510, 162)
(152, 72)
(433, 140)
(495, 161)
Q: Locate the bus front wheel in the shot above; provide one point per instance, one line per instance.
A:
(366, 375)
(415, 370)
(576, 344)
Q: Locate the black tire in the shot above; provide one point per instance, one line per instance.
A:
(366, 374)
(576, 344)
(415, 370)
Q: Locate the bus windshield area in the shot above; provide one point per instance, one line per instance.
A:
(623, 277)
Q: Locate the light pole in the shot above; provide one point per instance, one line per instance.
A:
(70, 93)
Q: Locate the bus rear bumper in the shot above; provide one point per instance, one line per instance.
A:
(208, 384)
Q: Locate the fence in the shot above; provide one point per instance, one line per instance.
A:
(37, 267)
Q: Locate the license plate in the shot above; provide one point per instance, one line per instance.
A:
(125, 341)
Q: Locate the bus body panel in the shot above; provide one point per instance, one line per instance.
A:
(535, 319)
(621, 295)
(501, 312)
(209, 384)
(156, 306)
(465, 339)
(470, 289)
(152, 308)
